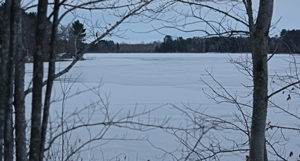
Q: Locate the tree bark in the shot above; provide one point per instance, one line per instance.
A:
(19, 96)
(38, 73)
(259, 46)
(10, 69)
(3, 73)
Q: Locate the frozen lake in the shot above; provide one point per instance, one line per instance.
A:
(142, 82)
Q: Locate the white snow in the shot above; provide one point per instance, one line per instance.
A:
(146, 81)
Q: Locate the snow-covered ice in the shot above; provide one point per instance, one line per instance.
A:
(146, 81)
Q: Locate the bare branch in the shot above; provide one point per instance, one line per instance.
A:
(107, 32)
(283, 88)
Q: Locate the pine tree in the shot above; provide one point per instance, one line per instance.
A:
(78, 29)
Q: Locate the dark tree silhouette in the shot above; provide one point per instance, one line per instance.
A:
(78, 30)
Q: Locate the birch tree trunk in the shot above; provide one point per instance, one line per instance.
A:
(259, 45)
(38, 73)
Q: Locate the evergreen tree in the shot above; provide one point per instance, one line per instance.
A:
(77, 29)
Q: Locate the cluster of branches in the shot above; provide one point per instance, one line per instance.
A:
(13, 136)
(258, 24)
(68, 38)
(15, 144)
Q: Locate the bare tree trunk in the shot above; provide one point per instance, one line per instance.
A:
(8, 129)
(19, 97)
(259, 46)
(51, 77)
(38, 68)
(3, 72)
(19, 103)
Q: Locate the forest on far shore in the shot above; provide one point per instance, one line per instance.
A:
(287, 42)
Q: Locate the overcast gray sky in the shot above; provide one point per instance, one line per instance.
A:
(286, 10)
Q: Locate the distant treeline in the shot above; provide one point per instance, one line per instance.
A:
(108, 46)
(287, 42)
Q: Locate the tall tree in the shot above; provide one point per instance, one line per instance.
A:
(76, 37)
(11, 84)
(259, 33)
(5, 102)
(38, 73)
(8, 137)
(258, 26)
(19, 95)
(51, 76)
(167, 45)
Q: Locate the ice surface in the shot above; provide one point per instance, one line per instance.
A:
(146, 81)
